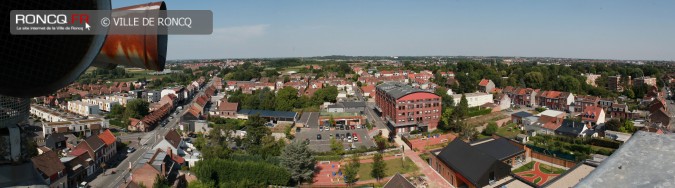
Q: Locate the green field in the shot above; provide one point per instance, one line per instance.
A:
(524, 168)
(393, 166)
(509, 131)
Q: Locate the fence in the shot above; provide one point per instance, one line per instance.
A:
(554, 160)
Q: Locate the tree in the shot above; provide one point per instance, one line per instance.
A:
(336, 147)
(160, 182)
(534, 79)
(613, 124)
(286, 98)
(491, 128)
(378, 167)
(351, 170)
(255, 131)
(136, 108)
(116, 111)
(298, 160)
(462, 109)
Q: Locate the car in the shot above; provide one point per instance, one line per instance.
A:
(131, 149)
(358, 126)
(318, 136)
(349, 138)
(342, 127)
(321, 128)
(356, 138)
(353, 127)
(346, 127)
(327, 128)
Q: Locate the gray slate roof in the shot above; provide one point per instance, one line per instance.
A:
(397, 89)
(499, 148)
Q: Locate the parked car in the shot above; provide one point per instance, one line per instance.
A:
(349, 138)
(131, 149)
(320, 128)
(356, 138)
(327, 128)
(318, 136)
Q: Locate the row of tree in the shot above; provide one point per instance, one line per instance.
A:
(286, 99)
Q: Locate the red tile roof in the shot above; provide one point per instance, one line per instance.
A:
(484, 82)
(591, 113)
(178, 159)
(107, 137)
(78, 152)
(173, 137)
(48, 163)
(227, 106)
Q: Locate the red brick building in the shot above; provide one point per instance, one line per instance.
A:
(406, 109)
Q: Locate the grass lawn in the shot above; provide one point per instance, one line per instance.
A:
(537, 180)
(393, 166)
(524, 168)
(508, 131)
(550, 169)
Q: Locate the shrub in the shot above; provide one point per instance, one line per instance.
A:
(257, 173)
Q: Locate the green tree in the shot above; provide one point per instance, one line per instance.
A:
(336, 147)
(160, 182)
(534, 79)
(491, 128)
(116, 111)
(298, 160)
(136, 108)
(351, 170)
(378, 167)
(255, 131)
(286, 98)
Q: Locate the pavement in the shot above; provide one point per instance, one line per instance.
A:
(323, 145)
(148, 140)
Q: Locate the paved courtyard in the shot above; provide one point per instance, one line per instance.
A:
(323, 145)
(535, 175)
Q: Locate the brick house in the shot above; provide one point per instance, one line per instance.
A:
(406, 109)
(51, 169)
(486, 86)
(477, 165)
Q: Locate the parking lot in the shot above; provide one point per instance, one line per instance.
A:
(323, 145)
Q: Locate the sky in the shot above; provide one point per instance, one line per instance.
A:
(600, 29)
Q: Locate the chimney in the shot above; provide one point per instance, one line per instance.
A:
(163, 170)
(170, 152)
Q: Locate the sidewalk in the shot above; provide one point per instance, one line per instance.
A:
(434, 179)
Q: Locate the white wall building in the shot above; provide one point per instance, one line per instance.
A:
(103, 104)
(82, 108)
(474, 99)
(74, 126)
(50, 115)
(122, 100)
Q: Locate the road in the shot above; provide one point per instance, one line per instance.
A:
(370, 110)
(148, 140)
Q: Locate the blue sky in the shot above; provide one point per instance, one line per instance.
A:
(613, 29)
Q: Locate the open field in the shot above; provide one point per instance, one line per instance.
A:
(393, 166)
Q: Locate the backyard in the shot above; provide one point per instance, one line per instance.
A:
(393, 166)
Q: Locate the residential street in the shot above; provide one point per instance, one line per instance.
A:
(148, 140)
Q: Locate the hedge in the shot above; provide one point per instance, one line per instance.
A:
(479, 112)
(222, 171)
(605, 143)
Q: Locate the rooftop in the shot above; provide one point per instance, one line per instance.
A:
(269, 113)
(397, 89)
(644, 161)
(499, 148)
(522, 114)
(551, 113)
